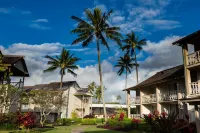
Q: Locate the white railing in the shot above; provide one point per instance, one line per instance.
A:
(194, 58)
(135, 100)
(151, 98)
(195, 87)
(168, 96)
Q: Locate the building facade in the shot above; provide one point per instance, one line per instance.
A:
(176, 89)
(75, 99)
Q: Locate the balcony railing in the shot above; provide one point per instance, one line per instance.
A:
(168, 96)
(194, 58)
(195, 87)
(135, 100)
(151, 98)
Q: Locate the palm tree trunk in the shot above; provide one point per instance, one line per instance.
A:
(101, 81)
(136, 67)
(61, 83)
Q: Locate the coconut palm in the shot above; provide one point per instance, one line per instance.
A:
(125, 64)
(64, 62)
(91, 88)
(132, 43)
(96, 27)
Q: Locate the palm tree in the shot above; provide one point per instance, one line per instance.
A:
(96, 27)
(64, 62)
(132, 43)
(92, 87)
(125, 64)
(119, 98)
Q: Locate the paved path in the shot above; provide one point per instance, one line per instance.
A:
(79, 129)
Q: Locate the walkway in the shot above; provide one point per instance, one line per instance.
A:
(79, 129)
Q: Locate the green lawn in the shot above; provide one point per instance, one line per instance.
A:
(94, 129)
(67, 129)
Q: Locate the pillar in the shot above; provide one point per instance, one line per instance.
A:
(186, 70)
(141, 106)
(128, 103)
(197, 118)
(158, 106)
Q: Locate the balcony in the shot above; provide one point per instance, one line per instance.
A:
(135, 100)
(168, 96)
(194, 59)
(151, 98)
(195, 88)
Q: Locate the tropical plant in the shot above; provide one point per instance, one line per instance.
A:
(125, 64)
(132, 43)
(65, 61)
(96, 27)
(119, 98)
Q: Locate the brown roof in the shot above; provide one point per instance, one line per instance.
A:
(11, 59)
(52, 86)
(161, 76)
(193, 38)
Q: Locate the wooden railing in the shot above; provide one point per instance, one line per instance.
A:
(151, 98)
(195, 88)
(135, 100)
(194, 58)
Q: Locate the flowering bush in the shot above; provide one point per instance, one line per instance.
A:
(136, 121)
(27, 120)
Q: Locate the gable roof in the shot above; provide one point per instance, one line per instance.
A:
(52, 86)
(83, 91)
(193, 38)
(11, 60)
(162, 76)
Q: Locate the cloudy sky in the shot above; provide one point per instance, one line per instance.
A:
(36, 28)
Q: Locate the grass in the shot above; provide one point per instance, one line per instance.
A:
(94, 129)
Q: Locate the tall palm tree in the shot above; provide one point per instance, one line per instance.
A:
(65, 61)
(92, 87)
(125, 64)
(96, 27)
(132, 43)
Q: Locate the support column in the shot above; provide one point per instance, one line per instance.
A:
(158, 106)
(197, 118)
(141, 106)
(128, 103)
(186, 71)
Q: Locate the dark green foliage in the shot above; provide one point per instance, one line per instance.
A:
(8, 121)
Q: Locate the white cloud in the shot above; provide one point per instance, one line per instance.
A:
(162, 55)
(13, 11)
(39, 26)
(41, 20)
(164, 24)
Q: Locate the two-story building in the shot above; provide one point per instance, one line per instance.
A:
(175, 89)
(13, 66)
(75, 99)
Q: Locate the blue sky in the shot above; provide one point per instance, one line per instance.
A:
(40, 27)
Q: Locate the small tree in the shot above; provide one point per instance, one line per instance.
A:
(119, 98)
(46, 101)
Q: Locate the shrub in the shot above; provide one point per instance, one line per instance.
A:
(74, 114)
(8, 121)
(27, 120)
(76, 120)
(88, 121)
(63, 122)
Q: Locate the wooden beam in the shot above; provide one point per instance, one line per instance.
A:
(197, 118)
(128, 103)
